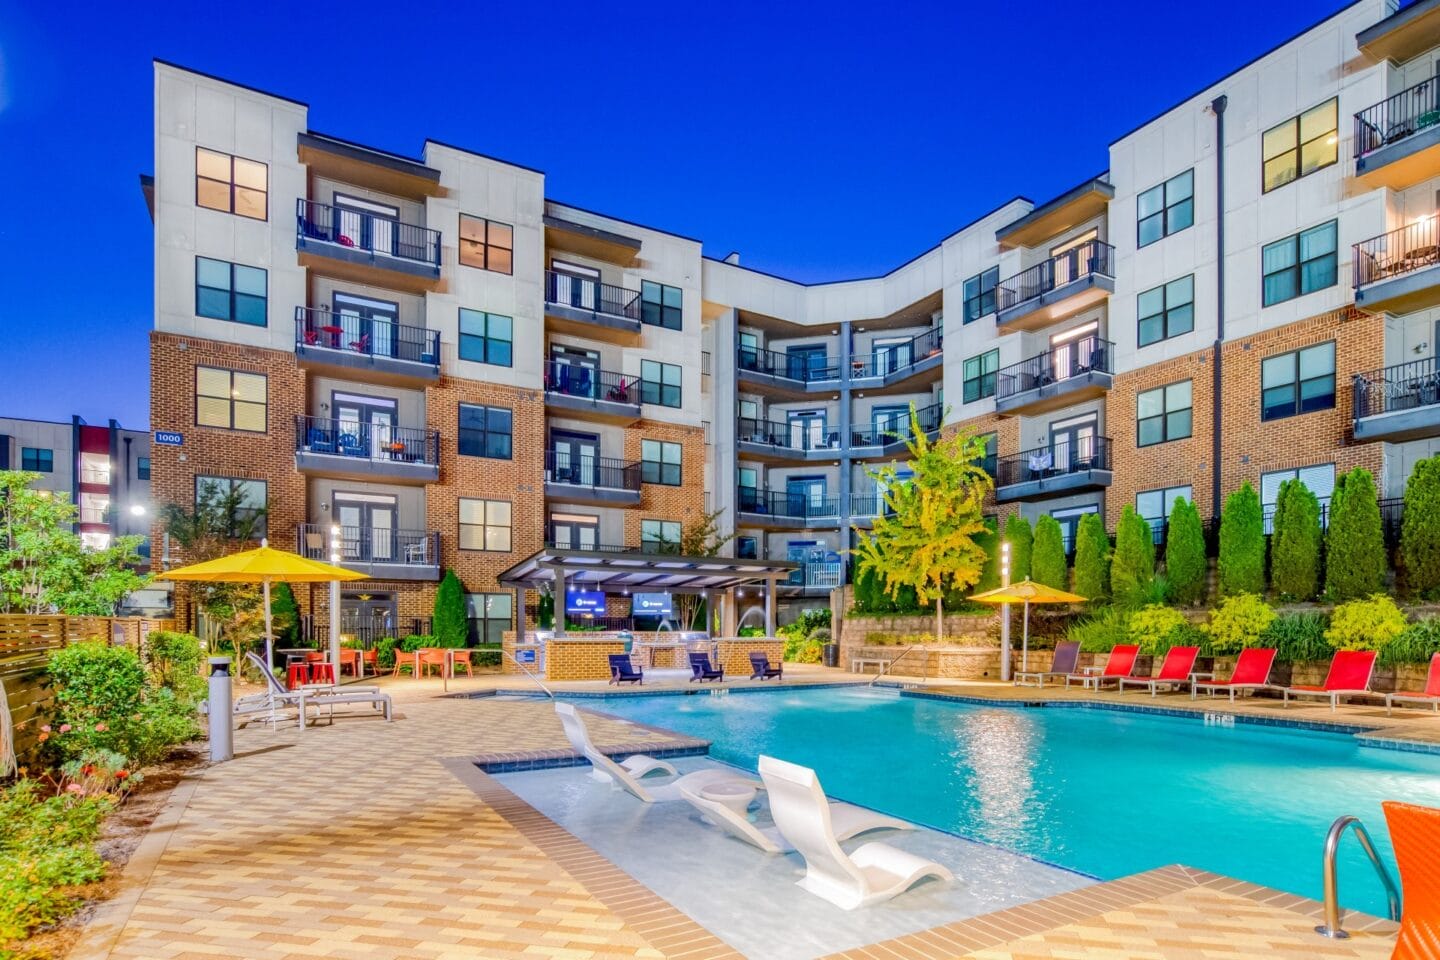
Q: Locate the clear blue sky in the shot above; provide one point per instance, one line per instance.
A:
(750, 126)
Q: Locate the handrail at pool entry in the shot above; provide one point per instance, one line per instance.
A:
(533, 679)
(1331, 926)
(887, 666)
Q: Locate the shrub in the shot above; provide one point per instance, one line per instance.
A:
(1295, 542)
(416, 641)
(1102, 631)
(385, 652)
(1092, 559)
(1417, 643)
(1132, 569)
(1242, 543)
(1238, 622)
(1156, 628)
(1047, 559)
(1420, 528)
(1297, 637)
(1185, 564)
(802, 649)
(752, 631)
(1368, 624)
(174, 662)
(46, 848)
(1354, 543)
(451, 626)
(1022, 541)
(285, 615)
(98, 690)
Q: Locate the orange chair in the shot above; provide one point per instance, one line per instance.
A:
(461, 662)
(1415, 834)
(404, 660)
(431, 657)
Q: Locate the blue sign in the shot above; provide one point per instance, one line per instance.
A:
(585, 601)
(169, 438)
(525, 656)
(650, 605)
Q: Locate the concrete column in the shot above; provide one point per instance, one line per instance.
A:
(519, 613)
(731, 612)
(770, 605)
(846, 418)
(709, 597)
(561, 589)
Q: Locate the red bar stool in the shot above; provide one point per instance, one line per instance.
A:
(296, 674)
(322, 672)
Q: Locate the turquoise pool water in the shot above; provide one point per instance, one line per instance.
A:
(1104, 792)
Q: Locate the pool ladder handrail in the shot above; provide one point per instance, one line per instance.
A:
(1331, 927)
(891, 663)
(533, 679)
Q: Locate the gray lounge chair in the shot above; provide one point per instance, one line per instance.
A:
(1067, 659)
(326, 696)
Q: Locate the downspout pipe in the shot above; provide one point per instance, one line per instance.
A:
(1217, 392)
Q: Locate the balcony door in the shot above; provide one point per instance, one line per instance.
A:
(370, 420)
(1072, 258)
(574, 372)
(366, 325)
(749, 352)
(367, 526)
(805, 496)
(1070, 352)
(574, 531)
(747, 486)
(367, 616)
(576, 285)
(576, 457)
(803, 552)
(893, 354)
(804, 363)
(891, 423)
(807, 429)
(366, 224)
(1072, 443)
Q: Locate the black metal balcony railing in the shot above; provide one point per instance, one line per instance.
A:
(898, 431)
(572, 537)
(411, 548)
(867, 505)
(1404, 386)
(1061, 362)
(368, 336)
(802, 368)
(796, 435)
(583, 293)
(367, 441)
(592, 472)
(1057, 460)
(366, 231)
(1091, 257)
(1410, 248)
(584, 383)
(897, 357)
(792, 505)
(1397, 117)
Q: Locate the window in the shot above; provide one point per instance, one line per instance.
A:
(230, 291)
(1163, 414)
(747, 548)
(484, 524)
(250, 498)
(37, 460)
(1300, 264)
(980, 294)
(1069, 521)
(1155, 505)
(94, 540)
(661, 306)
(489, 616)
(1298, 382)
(660, 536)
(94, 507)
(1166, 209)
(486, 337)
(659, 383)
(485, 431)
(1301, 145)
(94, 468)
(1319, 479)
(487, 244)
(980, 376)
(992, 452)
(231, 184)
(660, 462)
(1167, 310)
(230, 399)
(142, 468)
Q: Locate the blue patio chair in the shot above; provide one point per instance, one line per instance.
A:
(320, 440)
(350, 445)
(701, 670)
(621, 671)
(760, 668)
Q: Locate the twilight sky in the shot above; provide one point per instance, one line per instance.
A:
(748, 125)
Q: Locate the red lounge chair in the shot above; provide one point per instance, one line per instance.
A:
(1349, 676)
(1121, 663)
(1252, 672)
(1415, 833)
(1430, 695)
(1174, 672)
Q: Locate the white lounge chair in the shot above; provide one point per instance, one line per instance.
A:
(846, 819)
(874, 873)
(318, 695)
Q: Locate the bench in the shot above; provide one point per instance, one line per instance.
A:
(858, 664)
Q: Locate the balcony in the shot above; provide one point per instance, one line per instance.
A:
(1399, 271)
(815, 577)
(380, 552)
(785, 510)
(900, 364)
(381, 349)
(791, 373)
(771, 440)
(1056, 288)
(601, 480)
(364, 451)
(1398, 403)
(895, 438)
(593, 394)
(1054, 470)
(589, 308)
(1066, 373)
(1397, 141)
(355, 245)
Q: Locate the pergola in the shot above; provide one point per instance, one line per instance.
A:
(616, 571)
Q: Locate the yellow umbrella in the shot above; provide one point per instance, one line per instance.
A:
(1027, 591)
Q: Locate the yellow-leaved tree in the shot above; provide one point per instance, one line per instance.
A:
(925, 536)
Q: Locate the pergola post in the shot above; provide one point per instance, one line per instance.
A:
(561, 591)
(709, 597)
(519, 612)
(730, 610)
(770, 610)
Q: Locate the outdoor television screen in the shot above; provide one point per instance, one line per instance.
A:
(650, 605)
(585, 601)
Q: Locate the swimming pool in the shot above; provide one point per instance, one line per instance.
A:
(1104, 792)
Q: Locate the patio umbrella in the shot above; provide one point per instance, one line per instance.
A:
(1027, 591)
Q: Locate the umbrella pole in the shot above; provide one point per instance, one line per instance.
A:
(1025, 641)
(269, 646)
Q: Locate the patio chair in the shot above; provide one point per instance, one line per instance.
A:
(760, 668)
(320, 440)
(461, 661)
(700, 669)
(326, 696)
(846, 819)
(622, 672)
(404, 659)
(1174, 672)
(431, 657)
(1252, 672)
(1349, 676)
(1120, 663)
(1415, 835)
(1430, 695)
(350, 445)
(1065, 662)
(874, 873)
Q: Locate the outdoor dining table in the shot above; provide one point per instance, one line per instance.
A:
(334, 332)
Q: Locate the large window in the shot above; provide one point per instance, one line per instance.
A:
(1299, 264)
(142, 468)
(980, 376)
(660, 536)
(1320, 479)
(1301, 145)
(484, 524)
(980, 294)
(1163, 414)
(660, 462)
(659, 383)
(747, 548)
(489, 616)
(230, 291)
(1167, 310)
(230, 399)
(37, 459)
(487, 244)
(1069, 520)
(1298, 382)
(249, 501)
(231, 184)
(486, 337)
(1165, 209)
(485, 431)
(661, 306)
(1155, 505)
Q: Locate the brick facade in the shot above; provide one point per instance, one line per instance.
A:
(660, 501)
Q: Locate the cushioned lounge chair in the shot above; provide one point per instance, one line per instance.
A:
(700, 669)
(1430, 695)
(1349, 676)
(1174, 672)
(1065, 663)
(622, 672)
(324, 696)
(760, 668)
(1120, 663)
(1252, 672)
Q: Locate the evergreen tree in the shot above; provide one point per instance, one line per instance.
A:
(1132, 569)
(1242, 543)
(1021, 540)
(1420, 528)
(450, 628)
(989, 541)
(1185, 565)
(1047, 560)
(1092, 559)
(1354, 543)
(285, 615)
(1295, 542)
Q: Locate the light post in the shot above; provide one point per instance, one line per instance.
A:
(1004, 613)
(335, 603)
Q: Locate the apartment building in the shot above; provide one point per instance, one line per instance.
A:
(452, 369)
